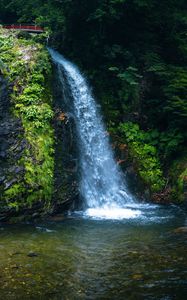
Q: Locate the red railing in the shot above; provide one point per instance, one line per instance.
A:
(24, 27)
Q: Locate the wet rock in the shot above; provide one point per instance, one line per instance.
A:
(15, 266)
(2, 154)
(32, 254)
(137, 276)
(4, 129)
(43, 229)
(57, 218)
(8, 184)
(4, 145)
(16, 169)
(12, 146)
(35, 215)
(2, 178)
(66, 173)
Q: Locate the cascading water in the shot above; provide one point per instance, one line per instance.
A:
(102, 185)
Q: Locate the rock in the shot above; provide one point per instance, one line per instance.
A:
(32, 254)
(4, 130)
(2, 154)
(3, 145)
(15, 266)
(35, 215)
(66, 155)
(181, 230)
(57, 218)
(8, 184)
(137, 276)
(14, 169)
(2, 178)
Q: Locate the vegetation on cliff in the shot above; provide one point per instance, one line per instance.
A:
(26, 65)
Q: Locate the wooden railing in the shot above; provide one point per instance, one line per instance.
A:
(29, 28)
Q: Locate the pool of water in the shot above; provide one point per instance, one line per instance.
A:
(90, 257)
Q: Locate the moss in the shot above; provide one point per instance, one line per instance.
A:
(12, 193)
(27, 66)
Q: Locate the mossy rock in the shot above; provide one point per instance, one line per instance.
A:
(178, 175)
(26, 66)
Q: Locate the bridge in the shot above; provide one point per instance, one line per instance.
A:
(28, 28)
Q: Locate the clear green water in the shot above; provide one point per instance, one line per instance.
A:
(81, 258)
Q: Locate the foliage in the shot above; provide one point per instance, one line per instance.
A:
(145, 156)
(129, 91)
(179, 170)
(12, 193)
(167, 142)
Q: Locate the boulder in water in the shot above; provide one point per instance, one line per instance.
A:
(181, 230)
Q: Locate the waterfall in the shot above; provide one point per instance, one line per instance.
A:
(102, 184)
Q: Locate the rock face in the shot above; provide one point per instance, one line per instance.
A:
(38, 159)
(11, 146)
(66, 173)
(26, 132)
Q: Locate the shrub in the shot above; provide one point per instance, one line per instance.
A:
(144, 155)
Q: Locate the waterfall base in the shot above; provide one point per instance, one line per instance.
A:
(143, 213)
(112, 213)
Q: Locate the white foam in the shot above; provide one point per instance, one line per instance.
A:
(112, 213)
